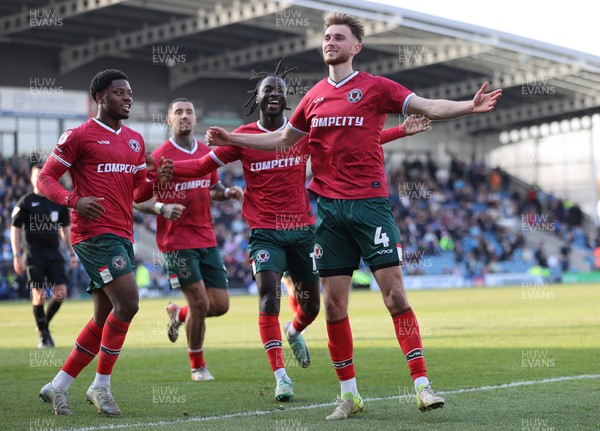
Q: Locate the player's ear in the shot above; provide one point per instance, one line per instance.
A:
(99, 97)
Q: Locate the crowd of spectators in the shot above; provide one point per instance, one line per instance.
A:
(467, 212)
(453, 219)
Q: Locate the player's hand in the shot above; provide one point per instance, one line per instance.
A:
(165, 170)
(150, 163)
(217, 137)
(172, 211)
(73, 261)
(416, 124)
(485, 102)
(235, 192)
(18, 265)
(89, 207)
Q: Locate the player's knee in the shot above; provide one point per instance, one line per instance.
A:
(59, 294)
(396, 300)
(269, 304)
(222, 308)
(311, 308)
(126, 310)
(335, 308)
(198, 305)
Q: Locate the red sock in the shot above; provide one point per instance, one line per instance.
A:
(270, 334)
(113, 337)
(409, 337)
(301, 320)
(341, 348)
(182, 314)
(86, 348)
(196, 358)
(293, 303)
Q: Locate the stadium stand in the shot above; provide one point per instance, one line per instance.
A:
(456, 217)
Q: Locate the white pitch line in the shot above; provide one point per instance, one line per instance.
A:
(316, 406)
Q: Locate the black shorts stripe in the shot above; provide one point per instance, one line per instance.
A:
(384, 265)
(336, 271)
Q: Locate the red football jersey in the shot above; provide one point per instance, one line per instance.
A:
(103, 163)
(344, 121)
(275, 196)
(194, 229)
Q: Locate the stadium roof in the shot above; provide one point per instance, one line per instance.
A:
(438, 58)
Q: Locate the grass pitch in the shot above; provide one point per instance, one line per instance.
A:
(524, 358)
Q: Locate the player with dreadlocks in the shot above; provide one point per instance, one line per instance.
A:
(278, 211)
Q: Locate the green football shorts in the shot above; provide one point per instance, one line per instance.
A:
(189, 266)
(284, 249)
(105, 258)
(348, 230)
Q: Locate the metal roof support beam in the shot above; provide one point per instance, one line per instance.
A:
(43, 16)
(258, 53)
(506, 118)
(243, 57)
(407, 59)
(77, 56)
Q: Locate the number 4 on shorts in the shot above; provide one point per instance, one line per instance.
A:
(381, 238)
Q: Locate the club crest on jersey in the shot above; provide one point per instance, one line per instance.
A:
(135, 145)
(54, 216)
(185, 272)
(262, 256)
(354, 95)
(118, 263)
(63, 137)
(318, 251)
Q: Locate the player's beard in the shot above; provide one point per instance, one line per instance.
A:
(340, 59)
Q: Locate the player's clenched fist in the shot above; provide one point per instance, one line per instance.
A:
(217, 136)
(165, 170)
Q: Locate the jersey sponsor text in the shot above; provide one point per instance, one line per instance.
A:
(337, 121)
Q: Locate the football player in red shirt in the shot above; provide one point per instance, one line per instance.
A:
(106, 160)
(186, 238)
(343, 116)
(277, 209)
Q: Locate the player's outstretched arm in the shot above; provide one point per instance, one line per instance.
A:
(412, 125)
(216, 136)
(442, 109)
(145, 180)
(195, 168)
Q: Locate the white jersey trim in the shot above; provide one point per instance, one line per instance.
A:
(100, 123)
(264, 129)
(142, 166)
(298, 131)
(216, 159)
(343, 81)
(185, 150)
(64, 162)
(405, 104)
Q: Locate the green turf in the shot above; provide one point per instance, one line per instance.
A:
(473, 338)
